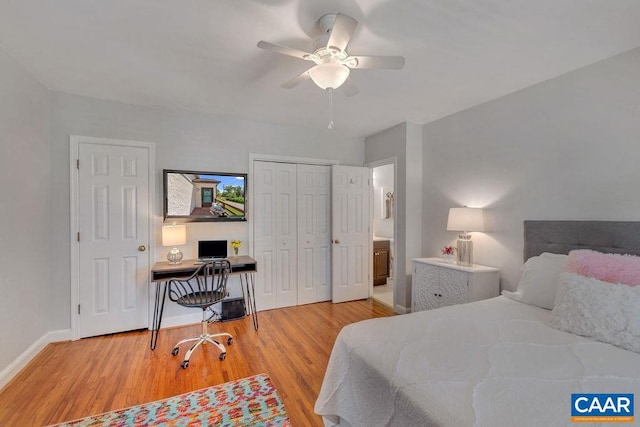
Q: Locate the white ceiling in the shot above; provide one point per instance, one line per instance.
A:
(201, 55)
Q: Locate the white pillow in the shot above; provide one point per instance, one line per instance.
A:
(600, 310)
(539, 280)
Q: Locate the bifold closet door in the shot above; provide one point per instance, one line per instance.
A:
(314, 233)
(275, 230)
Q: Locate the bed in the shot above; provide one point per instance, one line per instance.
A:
(496, 362)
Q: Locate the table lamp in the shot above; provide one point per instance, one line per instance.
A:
(465, 220)
(174, 235)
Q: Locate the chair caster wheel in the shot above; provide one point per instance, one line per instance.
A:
(185, 364)
(175, 351)
(222, 356)
(229, 341)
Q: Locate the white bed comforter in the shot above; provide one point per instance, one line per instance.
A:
(488, 363)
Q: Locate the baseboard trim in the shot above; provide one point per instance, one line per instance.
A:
(401, 309)
(26, 356)
(59, 335)
(184, 319)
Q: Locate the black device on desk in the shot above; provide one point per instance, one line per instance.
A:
(212, 249)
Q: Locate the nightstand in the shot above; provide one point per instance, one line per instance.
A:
(437, 283)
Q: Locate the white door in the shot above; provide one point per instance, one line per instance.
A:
(314, 233)
(350, 217)
(113, 224)
(275, 234)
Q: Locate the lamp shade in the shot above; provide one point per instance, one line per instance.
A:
(465, 219)
(329, 75)
(174, 235)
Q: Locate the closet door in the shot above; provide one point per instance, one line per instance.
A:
(275, 232)
(314, 233)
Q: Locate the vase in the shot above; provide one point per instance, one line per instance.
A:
(235, 251)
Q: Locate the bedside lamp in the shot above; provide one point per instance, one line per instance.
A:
(465, 220)
(174, 235)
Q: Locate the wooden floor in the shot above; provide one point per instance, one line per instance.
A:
(70, 380)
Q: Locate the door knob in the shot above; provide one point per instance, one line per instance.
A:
(337, 242)
(142, 248)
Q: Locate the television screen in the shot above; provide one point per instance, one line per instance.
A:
(204, 196)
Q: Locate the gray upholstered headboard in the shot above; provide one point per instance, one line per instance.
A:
(560, 237)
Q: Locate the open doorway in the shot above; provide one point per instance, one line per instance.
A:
(383, 232)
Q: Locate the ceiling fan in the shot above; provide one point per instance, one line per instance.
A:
(333, 63)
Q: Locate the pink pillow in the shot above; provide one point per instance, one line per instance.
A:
(612, 268)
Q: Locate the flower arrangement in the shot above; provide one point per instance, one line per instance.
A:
(236, 244)
(448, 250)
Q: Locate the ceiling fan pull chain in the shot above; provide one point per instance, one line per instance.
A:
(330, 90)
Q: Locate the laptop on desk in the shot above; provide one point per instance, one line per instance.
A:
(209, 250)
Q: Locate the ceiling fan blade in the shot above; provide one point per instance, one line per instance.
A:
(348, 88)
(297, 80)
(283, 50)
(388, 62)
(343, 28)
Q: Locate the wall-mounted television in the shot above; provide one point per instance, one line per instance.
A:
(193, 196)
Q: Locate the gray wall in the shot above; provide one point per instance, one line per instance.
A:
(24, 210)
(568, 148)
(404, 142)
(184, 140)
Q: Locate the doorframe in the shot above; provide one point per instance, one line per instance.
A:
(74, 149)
(371, 165)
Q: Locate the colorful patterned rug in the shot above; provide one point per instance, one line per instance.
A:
(250, 401)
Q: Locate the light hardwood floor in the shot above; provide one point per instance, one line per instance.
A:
(70, 380)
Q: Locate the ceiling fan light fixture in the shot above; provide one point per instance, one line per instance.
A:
(330, 75)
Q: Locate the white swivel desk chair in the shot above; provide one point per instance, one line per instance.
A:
(205, 287)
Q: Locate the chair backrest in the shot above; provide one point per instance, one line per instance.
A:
(207, 285)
